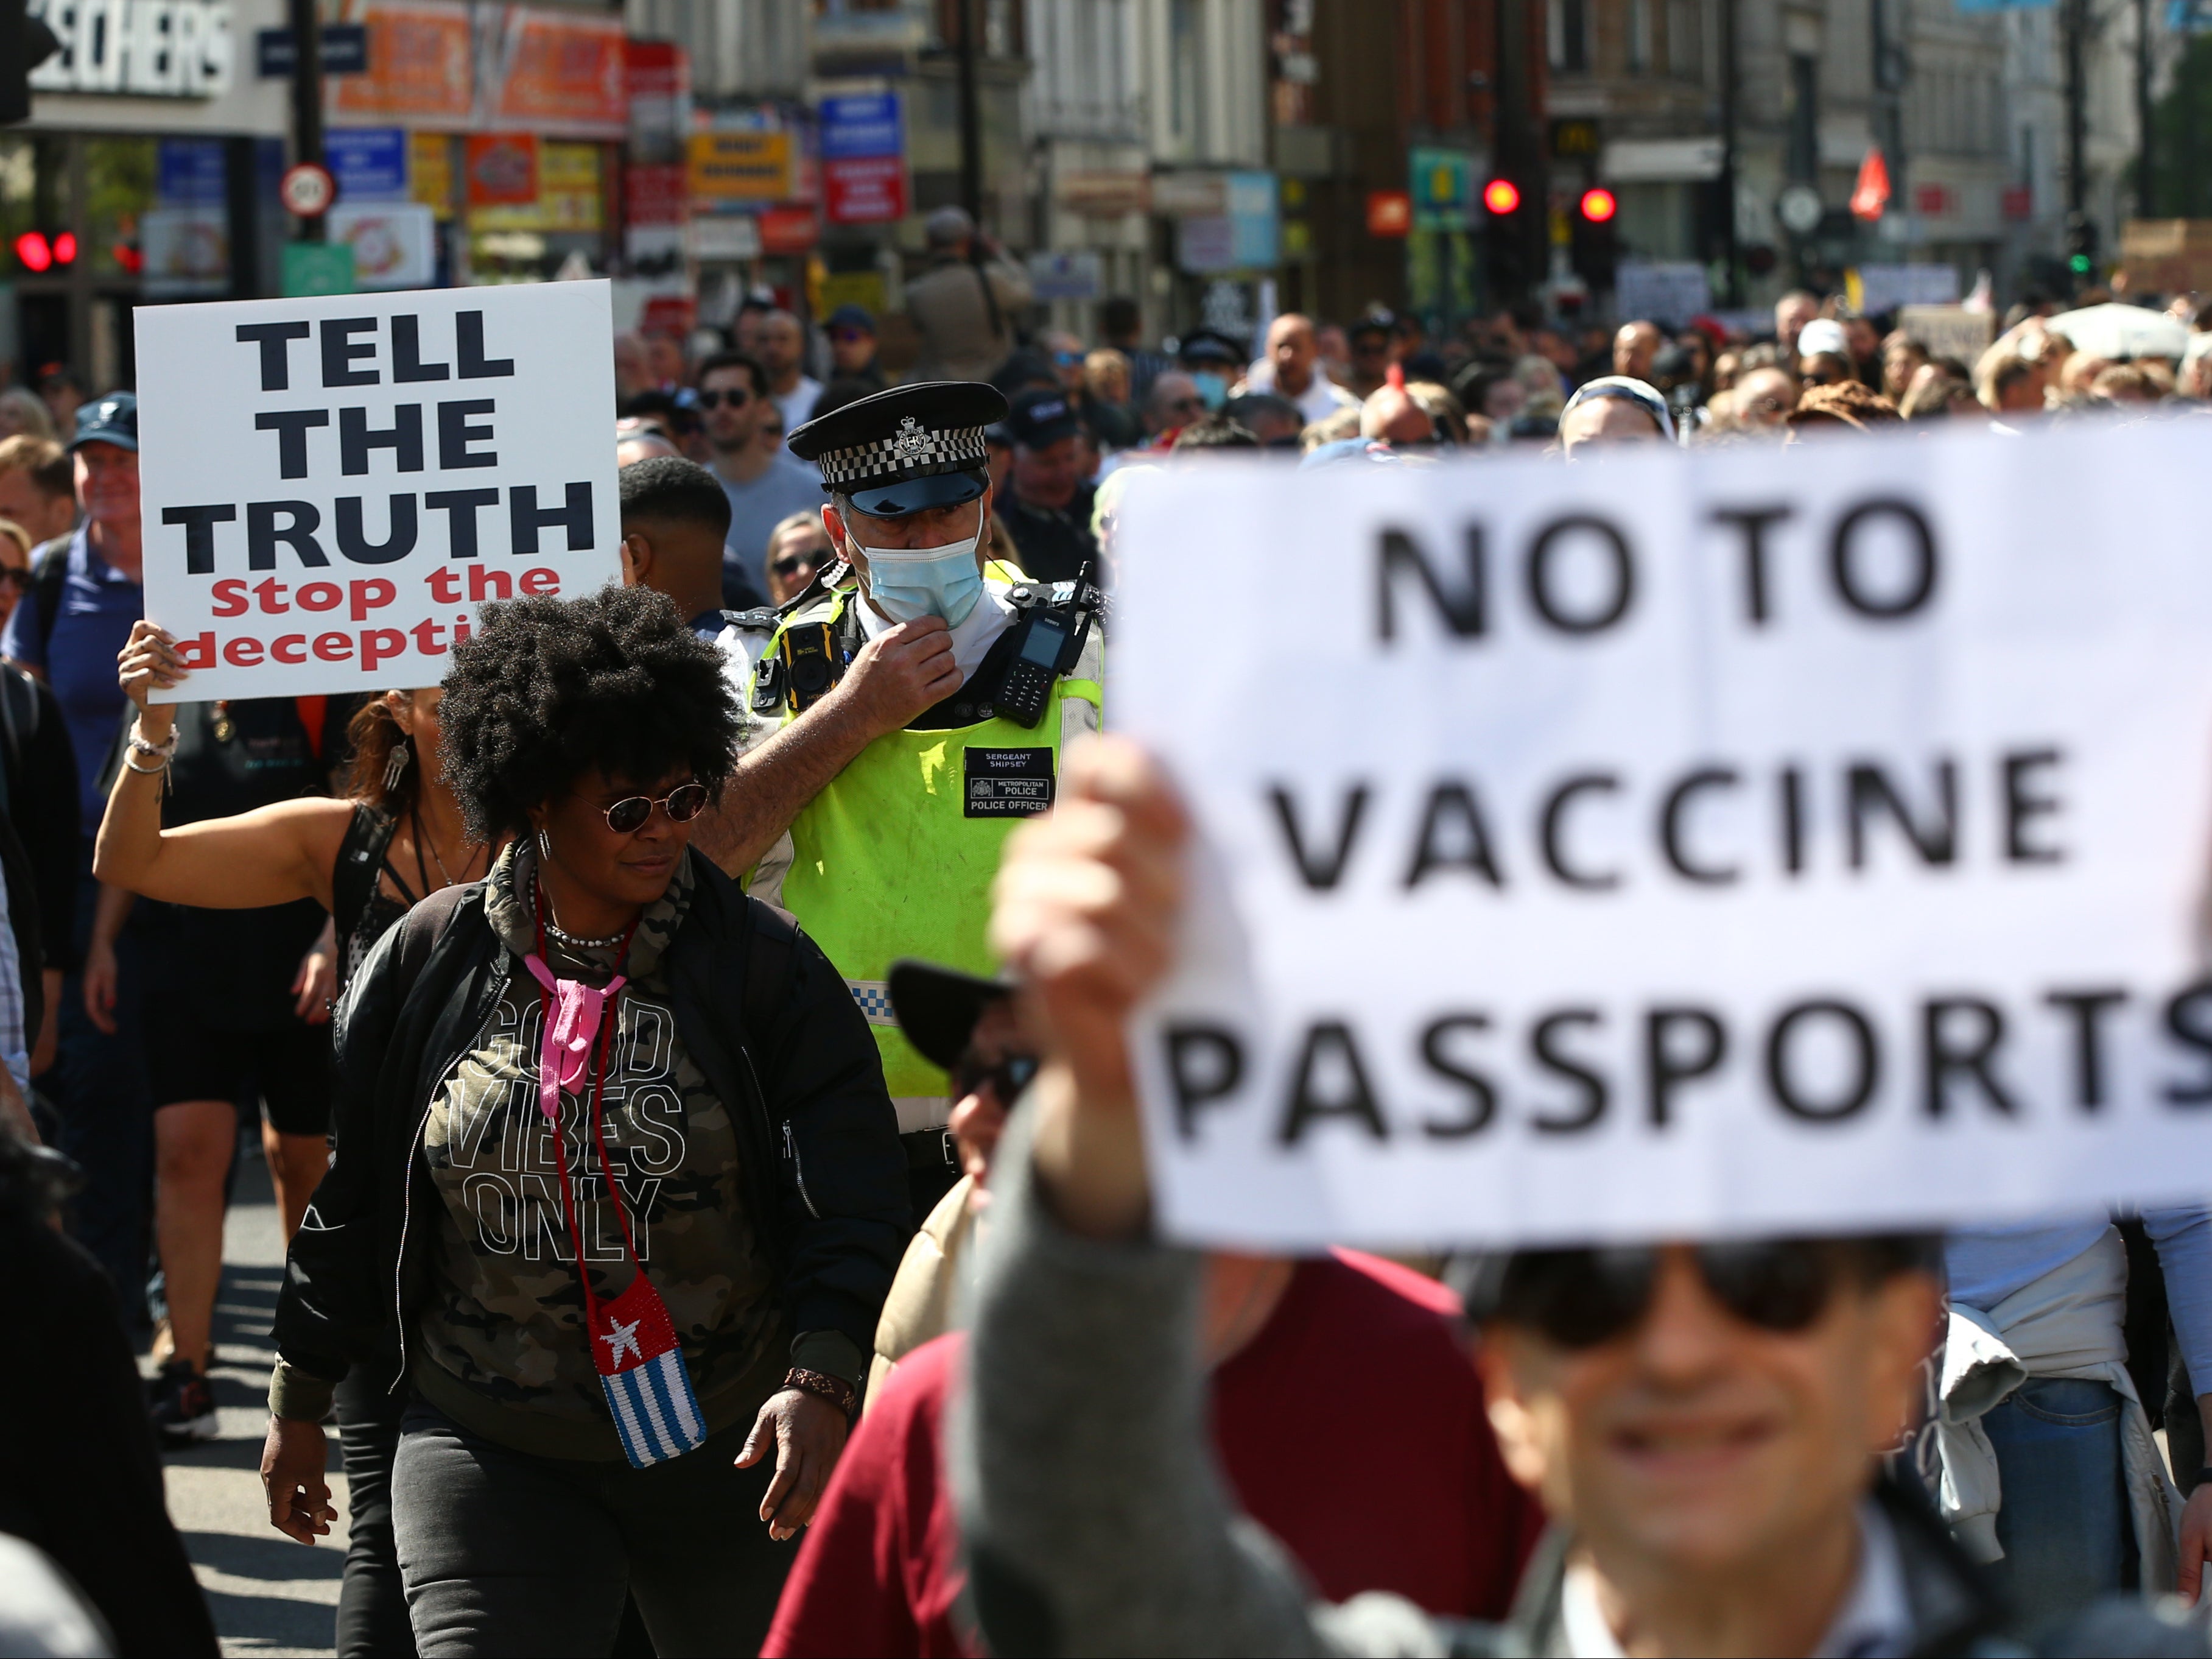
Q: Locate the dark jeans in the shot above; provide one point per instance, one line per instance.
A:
(105, 1117)
(507, 1553)
(2063, 1519)
(372, 1601)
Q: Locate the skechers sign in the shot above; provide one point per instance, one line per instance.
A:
(145, 48)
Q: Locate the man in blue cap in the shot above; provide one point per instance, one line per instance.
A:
(853, 347)
(85, 593)
(1047, 509)
(912, 707)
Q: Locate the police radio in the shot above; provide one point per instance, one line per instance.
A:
(1056, 622)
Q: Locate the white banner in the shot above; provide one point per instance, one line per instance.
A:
(331, 487)
(1745, 841)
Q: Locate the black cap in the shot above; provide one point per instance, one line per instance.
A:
(1210, 345)
(938, 1007)
(1039, 417)
(851, 316)
(908, 448)
(1380, 320)
(112, 419)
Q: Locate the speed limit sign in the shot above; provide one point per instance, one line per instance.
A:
(307, 190)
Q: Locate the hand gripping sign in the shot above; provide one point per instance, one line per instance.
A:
(330, 487)
(1748, 841)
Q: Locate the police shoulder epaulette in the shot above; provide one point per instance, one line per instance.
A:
(761, 619)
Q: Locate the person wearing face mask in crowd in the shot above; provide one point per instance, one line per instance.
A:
(1212, 360)
(908, 710)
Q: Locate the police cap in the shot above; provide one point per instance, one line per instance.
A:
(907, 449)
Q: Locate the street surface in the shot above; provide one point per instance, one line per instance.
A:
(269, 1595)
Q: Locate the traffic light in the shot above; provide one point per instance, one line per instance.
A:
(2081, 245)
(1593, 244)
(26, 42)
(38, 253)
(1505, 240)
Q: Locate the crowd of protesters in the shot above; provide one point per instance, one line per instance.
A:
(923, 1384)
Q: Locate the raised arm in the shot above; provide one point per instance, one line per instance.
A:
(270, 856)
(896, 677)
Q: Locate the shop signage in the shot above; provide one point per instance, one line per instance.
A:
(395, 244)
(1062, 275)
(864, 159)
(370, 163)
(789, 230)
(501, 169)
(141, 48)
(732, 167)
(557, 72)
(421, 66)
(332, 487)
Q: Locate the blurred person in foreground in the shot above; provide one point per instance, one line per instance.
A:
(1704, 1423)
(1393, 417)
(1613, 409)
(1426, 1510)
(1763, 398)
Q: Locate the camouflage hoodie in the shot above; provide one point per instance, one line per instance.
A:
(502, 1345)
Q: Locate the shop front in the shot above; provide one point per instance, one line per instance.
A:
(147, 173)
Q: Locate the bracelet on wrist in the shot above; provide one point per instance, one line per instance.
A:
(161, 762)
(140, 744)
(835, 1389)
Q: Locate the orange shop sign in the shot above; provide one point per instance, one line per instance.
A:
(1389, 212)
(557, 72)
(789, 230)
(502, 168)
(421, 65)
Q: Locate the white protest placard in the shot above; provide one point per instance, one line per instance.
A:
(331, 487)
(1745, 841)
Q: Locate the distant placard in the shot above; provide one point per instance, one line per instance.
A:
(1950, 331)
(1745, 841)
(1666, 292)
(331, 487)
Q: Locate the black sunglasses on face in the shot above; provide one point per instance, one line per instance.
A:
(1006, 1079)
(15, 578)
(736, 397)
(683, 804)
(1581, 1298)
(792, 565)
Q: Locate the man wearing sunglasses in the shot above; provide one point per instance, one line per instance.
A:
(910, 709)
(1704, 1422)
(764, 484)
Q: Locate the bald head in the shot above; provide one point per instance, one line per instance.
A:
(1633, 349)
(1293, 349)
(1391, 416)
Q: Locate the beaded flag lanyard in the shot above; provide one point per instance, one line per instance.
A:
(634, 1346)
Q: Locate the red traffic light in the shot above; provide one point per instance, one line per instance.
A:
(1599, 204)
(1501, 196)
(65, 248)
(33, 252)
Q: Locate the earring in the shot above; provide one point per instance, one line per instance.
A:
(396, 767)
(544, 847)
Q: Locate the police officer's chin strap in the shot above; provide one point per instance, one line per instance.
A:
(907, 583)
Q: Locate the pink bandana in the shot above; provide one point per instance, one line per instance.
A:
(573, 1012)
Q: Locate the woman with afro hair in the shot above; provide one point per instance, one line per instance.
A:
(614, 1158)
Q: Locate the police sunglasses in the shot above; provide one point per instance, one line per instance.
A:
(683, 804)
(736, 397)
(1007, 1078)
(1581, 1298)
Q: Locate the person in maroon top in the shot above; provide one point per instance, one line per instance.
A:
(1412, 1498)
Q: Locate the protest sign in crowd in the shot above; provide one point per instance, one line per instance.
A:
(1603, 1045)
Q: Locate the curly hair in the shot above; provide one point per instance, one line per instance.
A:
(546, 690)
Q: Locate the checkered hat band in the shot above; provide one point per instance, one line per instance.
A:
(904, 454)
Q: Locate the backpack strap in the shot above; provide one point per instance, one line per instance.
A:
(48, 579)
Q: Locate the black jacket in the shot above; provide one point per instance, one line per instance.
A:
(39, 793)
(824, 1174)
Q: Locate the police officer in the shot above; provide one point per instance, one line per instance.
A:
(911, 708)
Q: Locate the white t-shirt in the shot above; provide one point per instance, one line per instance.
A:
(1322, 397)
(797, 404)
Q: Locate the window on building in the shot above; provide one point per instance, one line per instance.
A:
(1639, 36)
(1184, 33)
(1567, 32)
(1804, 117)
(1686, 47)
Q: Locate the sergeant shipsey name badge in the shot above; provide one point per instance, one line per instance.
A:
(1008, 782)
(1744, 841)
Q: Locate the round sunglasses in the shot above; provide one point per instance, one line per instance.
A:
(682, 804)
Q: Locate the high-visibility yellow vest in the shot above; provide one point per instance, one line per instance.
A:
(896, 857)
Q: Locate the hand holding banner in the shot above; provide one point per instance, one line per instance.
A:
(1754, 841)
(331, 486)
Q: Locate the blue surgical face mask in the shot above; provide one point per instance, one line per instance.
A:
(1212, 388)
(910, 583)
